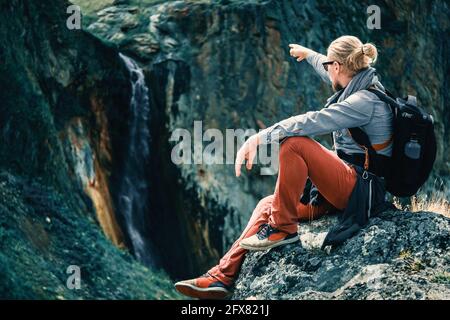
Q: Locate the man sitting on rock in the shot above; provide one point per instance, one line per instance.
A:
(274, 220)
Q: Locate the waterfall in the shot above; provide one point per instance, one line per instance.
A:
(134, 187)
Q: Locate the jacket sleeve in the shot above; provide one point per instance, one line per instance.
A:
(315, 60)
(355, 111)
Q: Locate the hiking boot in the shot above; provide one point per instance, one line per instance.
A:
(204, 287)
(268, 237)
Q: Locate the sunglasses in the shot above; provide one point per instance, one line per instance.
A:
(325, 64)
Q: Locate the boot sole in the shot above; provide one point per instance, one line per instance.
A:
(273, 245)
(202, 293)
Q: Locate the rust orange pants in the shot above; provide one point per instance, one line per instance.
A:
(299, 158)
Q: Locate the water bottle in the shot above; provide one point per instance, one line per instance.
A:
(412, 149)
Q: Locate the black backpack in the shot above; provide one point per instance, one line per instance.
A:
(414, 145)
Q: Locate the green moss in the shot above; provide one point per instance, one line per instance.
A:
(442, 278)
(91, 7)
(41, 236)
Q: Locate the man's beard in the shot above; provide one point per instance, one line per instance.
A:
(336, 86)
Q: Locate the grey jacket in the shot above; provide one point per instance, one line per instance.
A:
(356, 107)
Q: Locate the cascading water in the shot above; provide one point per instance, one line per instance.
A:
(134, 188)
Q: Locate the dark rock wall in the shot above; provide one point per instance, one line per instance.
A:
(59, 101)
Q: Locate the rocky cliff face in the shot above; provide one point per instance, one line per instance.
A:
(62, 129)
(66, 126)
(226, 63)
(399, 255)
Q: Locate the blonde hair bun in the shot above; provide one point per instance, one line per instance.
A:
(352, 53)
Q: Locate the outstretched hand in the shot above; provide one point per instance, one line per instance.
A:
(247, 153)
(298, 51)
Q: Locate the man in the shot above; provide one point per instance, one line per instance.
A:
(347, 67)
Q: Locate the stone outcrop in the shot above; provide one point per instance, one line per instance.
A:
(399, 255)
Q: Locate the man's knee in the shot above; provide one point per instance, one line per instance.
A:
(266, 200)
(294, 144)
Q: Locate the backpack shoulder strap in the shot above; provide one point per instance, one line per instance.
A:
(385, 97)
(361, 137)
(363, 140)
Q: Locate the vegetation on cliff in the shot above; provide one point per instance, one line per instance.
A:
(61, 114)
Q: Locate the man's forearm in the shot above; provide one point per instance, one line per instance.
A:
(316, 59)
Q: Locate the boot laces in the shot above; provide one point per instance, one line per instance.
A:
(264, 231)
